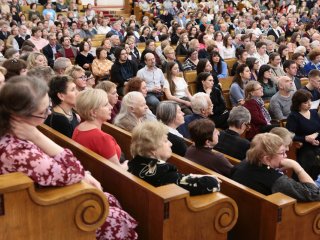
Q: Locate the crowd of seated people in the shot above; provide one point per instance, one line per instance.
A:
(141, 65)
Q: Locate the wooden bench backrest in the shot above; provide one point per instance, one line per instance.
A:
(181, 58)
(260, 216)
(226, 96)
(304, 81)
(190, 77)
(70, 212)
(225, 83)
(230, 62)
(166, 212)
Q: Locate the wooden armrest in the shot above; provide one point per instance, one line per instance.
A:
(305, 208)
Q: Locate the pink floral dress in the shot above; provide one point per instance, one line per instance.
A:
(18, 155)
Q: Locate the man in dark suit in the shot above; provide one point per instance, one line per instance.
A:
(51, 49)
(273, 31)
(19, 39)
(4, 33)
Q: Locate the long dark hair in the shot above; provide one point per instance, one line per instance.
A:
(219, 64)
(201, 77)
(262, 70)
(172, 85)
(237, 78)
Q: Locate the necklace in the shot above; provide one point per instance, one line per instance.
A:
(68, 114)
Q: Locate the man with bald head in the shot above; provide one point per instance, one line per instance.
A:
(154, 80)
(280, 102)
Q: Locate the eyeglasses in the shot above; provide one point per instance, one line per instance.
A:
(84, 77)
(90, 78)
(257, 89)
(47, 112)
(248, 125)
(283, 154)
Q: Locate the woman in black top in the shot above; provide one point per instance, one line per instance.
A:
(84, 59)
(169, 113)
(262, 171)
(150, 149)
(145, 34)
(63, 92)
(205, 83)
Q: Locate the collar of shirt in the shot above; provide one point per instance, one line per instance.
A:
(175, 132)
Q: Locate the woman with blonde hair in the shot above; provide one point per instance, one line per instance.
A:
(36, 59)
(133, 111)
(93, 107)
(262, 171)
(150, 149)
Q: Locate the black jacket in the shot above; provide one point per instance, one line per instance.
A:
(158, 173)
(121, 72)
(47, 51)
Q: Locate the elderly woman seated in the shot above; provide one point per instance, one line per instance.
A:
(230, 140)
(261, 171)
(169, 113)
(150, 149)
(94, 108)
(260, 117)
(205, 137)
(139, 85)
(133, 111)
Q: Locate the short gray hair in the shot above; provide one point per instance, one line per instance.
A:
(167, 111)
(61, 63)
(199, 102)
(239, 115)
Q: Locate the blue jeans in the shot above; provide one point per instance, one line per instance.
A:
(152, 100)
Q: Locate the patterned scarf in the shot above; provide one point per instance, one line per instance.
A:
(263, 110)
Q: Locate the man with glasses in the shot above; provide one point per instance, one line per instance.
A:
(170, 55)
(51, 49)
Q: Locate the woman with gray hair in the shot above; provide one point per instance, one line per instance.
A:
(133, 110)
(169, 113)
(230, 140)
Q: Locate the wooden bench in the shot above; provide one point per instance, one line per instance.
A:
(273, 217)
(190, 77)
(166, 212)
(230, 62)
(276, 216)
(70, 212)
(225, 83)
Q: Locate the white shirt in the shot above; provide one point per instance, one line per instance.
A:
(175, 132)
(181, 87)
